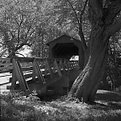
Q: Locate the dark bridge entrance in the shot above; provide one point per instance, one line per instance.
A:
(64, 47)
(65, 50)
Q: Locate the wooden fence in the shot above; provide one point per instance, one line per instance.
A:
(33, 70)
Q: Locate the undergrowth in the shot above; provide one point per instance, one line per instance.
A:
(17, 107)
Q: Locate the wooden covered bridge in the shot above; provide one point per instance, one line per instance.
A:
(52, 75)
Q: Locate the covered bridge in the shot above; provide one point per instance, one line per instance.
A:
(64, 47)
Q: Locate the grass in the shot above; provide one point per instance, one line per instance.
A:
(17, 107)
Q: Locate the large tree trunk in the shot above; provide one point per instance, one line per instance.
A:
(86, 84)
(101, 19)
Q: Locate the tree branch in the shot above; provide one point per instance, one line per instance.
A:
(25, 41)
(31, 33)
(73, 11)
(12, 34)
(19, 27)
(26, 36)
(82, 12)
(29, 28)
(81, 34)
(28, 31)
(21, 45)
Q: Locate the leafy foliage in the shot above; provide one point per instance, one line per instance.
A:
(114, 61)
(22, 21)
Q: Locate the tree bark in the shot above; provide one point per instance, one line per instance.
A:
(86, 84)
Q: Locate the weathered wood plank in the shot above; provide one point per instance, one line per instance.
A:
(37, 72)
(4, 83)
(29, 59)
(29, 75)
(27, 68)
(18, 74)
(58, 69)
(5, 65)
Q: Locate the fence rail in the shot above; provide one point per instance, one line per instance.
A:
(35, 68)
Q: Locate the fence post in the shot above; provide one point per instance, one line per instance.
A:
(61, 64)
(18, 76)
(58, 69)
(37, 72)
(14, 79)
(49, 67)
(66, 66)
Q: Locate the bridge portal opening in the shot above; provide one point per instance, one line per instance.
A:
(65, 47)
(65, 50)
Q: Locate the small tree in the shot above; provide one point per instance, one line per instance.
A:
(18, 24)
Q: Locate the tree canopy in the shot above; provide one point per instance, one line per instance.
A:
(22, 21)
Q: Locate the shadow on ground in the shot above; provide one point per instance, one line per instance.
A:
(108, 99)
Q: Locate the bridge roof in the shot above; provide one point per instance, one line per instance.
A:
(64, 39)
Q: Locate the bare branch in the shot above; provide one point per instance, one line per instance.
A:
(11, 33)
(81, 34)
(25, 41)
(19, 27)
(28, 32)
(82, 12)
(30, 27)
(21, 20)
(31, 33)
(16, 21)
(73, 11)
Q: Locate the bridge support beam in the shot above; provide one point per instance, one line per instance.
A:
(17, 75)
